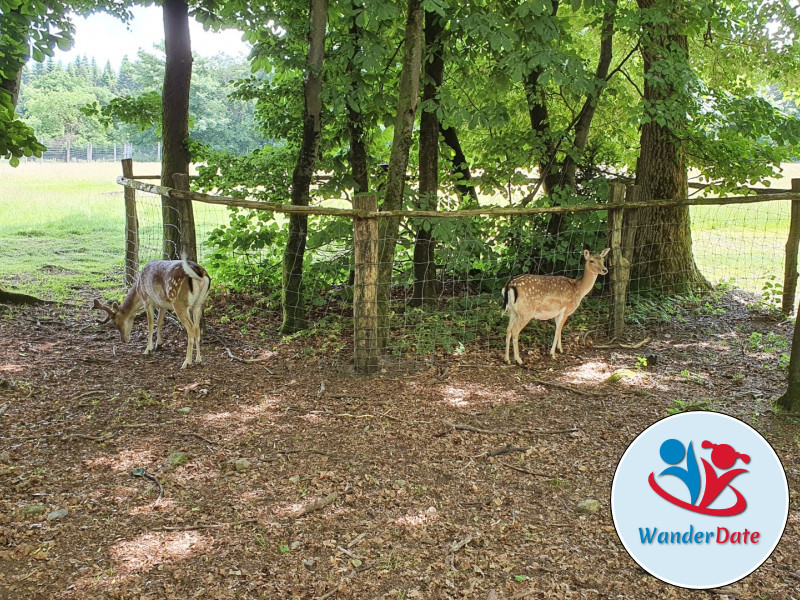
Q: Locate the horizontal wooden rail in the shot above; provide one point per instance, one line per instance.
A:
(495, 211)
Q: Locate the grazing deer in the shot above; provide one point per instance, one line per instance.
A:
(178, 284)
(547, 297)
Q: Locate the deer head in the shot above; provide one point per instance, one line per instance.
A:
(121, 321)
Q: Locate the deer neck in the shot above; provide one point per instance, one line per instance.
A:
(132, 303)
(586, 283)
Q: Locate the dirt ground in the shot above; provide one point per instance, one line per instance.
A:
(458, 478)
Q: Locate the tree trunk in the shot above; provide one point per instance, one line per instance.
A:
(663, 260)
(790, 400)
(177, 215)
(355, 124)
(408, 96)
(425, 284)
(12, 86)
(294, 311)
(355, 120)
(583, 124)
(469, 196)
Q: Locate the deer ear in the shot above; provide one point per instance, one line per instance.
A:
(604, 252)
(586, 254)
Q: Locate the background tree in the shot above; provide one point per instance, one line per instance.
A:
(294, 317)
(177, 216)
(407, 99)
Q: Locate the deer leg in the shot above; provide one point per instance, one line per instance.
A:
(162, 312)
(183, 316)
(148, 308)
(511, 321)
(560, 320)
(519, 325)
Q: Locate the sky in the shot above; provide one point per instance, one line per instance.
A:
(106, 38)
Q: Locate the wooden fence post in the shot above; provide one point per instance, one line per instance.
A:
(620, 266)
(365, 288)
(131, 227)
(790, 268)
(186, 218)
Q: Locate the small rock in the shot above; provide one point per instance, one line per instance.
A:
(185, 410)
(295, 544)
(588, 507)
(242, 465)
(295, 479)
(620, 374)
(177, 459)
(5, 456)
(309, 564)
(58, 514)
(34, 509)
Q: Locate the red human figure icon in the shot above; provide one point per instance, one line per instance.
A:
(724, 457)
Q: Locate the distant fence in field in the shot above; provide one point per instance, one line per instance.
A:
(79, 153)
(763, 238)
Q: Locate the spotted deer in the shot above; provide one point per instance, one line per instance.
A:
(545, 297)
(181, 285)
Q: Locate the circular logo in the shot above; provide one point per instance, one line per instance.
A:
(700, 500)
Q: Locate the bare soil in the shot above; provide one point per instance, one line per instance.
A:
(458, 477)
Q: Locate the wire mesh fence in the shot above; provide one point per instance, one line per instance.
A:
(733, 246)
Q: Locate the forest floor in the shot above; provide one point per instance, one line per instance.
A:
(272, 471)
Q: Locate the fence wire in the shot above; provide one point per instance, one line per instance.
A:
(735, 246)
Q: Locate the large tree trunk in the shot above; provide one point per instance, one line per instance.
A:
(425, 284)
(408, 97)
(790, 401)
(663, 259)
(355, 120)
(359, 164)
(294, 311)
(12, 86)
(177, 215)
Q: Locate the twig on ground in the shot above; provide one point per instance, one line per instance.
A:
(527, 471)
(143, 473)
(207, 526)
(87, 395)
(349, 553)
(635, 346)
(548, 431)
(449, 561)
(95, 359)
(316, 505)
(357, 539)
(245, 360)
(198, 436)
(83, 436)
(344, 580)
(462, 427)
(507, 449)
(561, 387)
(348, 415)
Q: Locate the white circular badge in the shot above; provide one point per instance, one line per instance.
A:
(700, 500)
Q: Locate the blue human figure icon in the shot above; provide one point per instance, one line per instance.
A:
(672, 453)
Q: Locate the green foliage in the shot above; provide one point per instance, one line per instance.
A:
(32, 30)
(143, 111)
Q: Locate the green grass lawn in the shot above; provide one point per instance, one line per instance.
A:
(62, 227)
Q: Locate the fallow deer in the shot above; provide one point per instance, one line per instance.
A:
(545, 297)
(181, 285)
